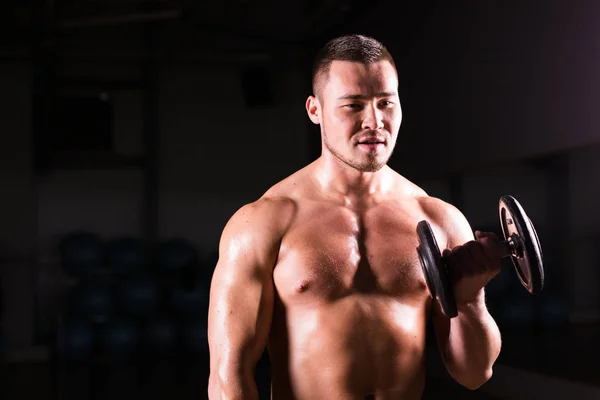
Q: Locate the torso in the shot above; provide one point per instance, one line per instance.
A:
(351, 302)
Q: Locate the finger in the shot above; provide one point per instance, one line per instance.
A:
(460, 261)
(489, 256)
(481, 255)
(476, 252)
(447, 257)
(490, 243)
(448, 253)
(486, 260)
(490, 247)
(479, 261)
(482, 234)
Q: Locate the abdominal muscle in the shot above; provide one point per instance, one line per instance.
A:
(353, 347)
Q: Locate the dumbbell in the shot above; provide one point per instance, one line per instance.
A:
(520, 244)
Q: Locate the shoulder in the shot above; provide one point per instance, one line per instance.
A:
(251, 238)
(267, 217)
(272, 213)
(401, 186)
(447, 219)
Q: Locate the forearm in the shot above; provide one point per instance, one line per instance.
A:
(473, 344)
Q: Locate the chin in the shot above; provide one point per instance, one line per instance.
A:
(373, 168)
(370, 167)
(373, 163)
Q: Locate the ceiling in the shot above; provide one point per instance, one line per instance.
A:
(229, 26)
(276, 20)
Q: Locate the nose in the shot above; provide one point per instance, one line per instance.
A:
(373, 119)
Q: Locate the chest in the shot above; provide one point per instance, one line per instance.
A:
(332, 252)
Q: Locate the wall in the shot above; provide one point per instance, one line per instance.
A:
(210, 159)
(106, 201)
(216, 154)
(17, 204)
(210, 163)
(489, 84)
(483, 86)
(583, 263)
(574, 230)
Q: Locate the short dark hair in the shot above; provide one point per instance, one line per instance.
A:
(355, 48)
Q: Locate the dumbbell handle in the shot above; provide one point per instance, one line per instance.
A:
(511, 247)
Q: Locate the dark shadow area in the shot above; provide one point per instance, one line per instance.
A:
(132, 131)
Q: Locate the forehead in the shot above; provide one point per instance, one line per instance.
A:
(346, 77)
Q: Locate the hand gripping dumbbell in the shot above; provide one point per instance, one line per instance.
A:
(520, 244)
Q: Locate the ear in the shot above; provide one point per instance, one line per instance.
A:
(313, 108)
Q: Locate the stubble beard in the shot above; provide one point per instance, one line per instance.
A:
(372, 164)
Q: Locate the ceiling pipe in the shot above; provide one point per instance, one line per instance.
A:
(118, 19)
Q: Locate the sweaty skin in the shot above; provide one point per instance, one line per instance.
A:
(323, 271)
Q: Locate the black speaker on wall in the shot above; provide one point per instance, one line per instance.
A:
(257, 87)
(80, 123)
(71, 126)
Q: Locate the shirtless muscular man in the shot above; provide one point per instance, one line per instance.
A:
(322, 270)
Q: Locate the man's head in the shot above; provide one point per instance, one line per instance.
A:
(355, 101)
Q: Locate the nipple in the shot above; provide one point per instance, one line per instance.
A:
(302, 286)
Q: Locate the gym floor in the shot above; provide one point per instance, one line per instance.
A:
(569, 354)
(33, 381)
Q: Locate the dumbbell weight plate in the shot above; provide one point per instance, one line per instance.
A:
(527, 257)
(434, 269)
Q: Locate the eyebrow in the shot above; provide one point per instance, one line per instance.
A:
(364, 97)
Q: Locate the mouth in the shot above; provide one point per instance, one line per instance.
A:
(371, 144)
(371, 141)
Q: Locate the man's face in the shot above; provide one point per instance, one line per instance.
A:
(359, 111)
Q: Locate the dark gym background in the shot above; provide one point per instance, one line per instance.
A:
(132, 130)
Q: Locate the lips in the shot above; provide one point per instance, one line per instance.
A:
(372, 140)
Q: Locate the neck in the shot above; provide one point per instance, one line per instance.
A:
(338, 179)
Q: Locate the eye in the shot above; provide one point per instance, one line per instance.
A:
(386, 103)
(354, 106)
